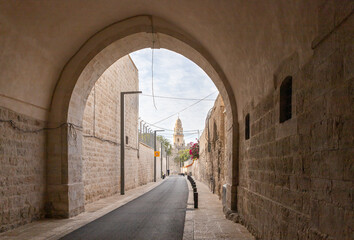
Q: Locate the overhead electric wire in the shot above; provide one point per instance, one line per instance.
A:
(152, 64)
(166, 129)
(170, 135)
(185, 108)
(177, 98)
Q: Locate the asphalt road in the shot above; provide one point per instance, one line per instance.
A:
(158, 214)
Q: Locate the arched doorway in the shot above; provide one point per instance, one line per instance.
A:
(65, 191)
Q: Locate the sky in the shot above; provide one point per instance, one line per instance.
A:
(174, 76)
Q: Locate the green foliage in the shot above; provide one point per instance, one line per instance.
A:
(166, 143)
(183, 155)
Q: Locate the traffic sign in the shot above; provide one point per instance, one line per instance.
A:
(157, 154)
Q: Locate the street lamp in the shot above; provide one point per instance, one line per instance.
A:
(122, 142)
(154, 152)
(161, 159)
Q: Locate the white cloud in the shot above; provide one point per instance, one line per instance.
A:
(175, 76)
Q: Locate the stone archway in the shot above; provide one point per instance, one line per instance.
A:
(65, 191)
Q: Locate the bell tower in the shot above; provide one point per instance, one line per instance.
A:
(178, 137)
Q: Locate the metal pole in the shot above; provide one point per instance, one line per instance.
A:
(122, 142)
(154, 156)
(154, 152)
(161, 159)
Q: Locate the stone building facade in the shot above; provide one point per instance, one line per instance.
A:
(101, 142)
(210, 167)
(296, 176)
(290, 179)
(22, 171)
(295, 167)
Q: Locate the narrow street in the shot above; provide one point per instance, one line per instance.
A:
(158, 214)
(251, 101)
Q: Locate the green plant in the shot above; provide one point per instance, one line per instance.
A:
(182, 156)
(194, 150)
(166, 143)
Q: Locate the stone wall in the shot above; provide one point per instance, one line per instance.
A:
(296, 177)
(210, 167)
(101, 143)
(22, 171)
(145, 166)
(174, 165)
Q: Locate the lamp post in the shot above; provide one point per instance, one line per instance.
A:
(154, 152)
(167, 167)
(122, 142)
(161, 159)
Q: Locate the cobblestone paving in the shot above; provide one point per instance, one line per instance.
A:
(208, 221)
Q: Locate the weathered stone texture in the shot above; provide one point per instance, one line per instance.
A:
(296, 177)
(22, 171)
(101, 141)
(210, 167)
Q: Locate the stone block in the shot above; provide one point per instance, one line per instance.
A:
(342, 10)
(315, 212)
(348, 224)
(22, 171)
(325, 135)
(346, 133)
(326, 16)
(342, 194)
(331, 220)
(321, 189)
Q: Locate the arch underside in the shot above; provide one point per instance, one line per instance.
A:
(65, 196)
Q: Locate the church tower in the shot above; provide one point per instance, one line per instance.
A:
(178, 137)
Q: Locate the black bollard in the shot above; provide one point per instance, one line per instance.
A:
(195, 194)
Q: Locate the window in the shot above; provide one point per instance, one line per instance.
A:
(285, 99)
(247, 126)
(126, 139)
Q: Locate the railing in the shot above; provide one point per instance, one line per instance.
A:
(147, 138)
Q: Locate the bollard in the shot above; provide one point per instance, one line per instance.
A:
(195, 194)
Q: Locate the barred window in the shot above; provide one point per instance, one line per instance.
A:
(247, 126)
(285, 99)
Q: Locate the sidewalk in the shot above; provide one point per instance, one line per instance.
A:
(208, 222)
(51, 229)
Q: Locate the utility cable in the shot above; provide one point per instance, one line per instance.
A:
(166, 129)
(184, 108)
(109, 141)
(14, 126)
(152, 64)
(177, 98)
(71, 126)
